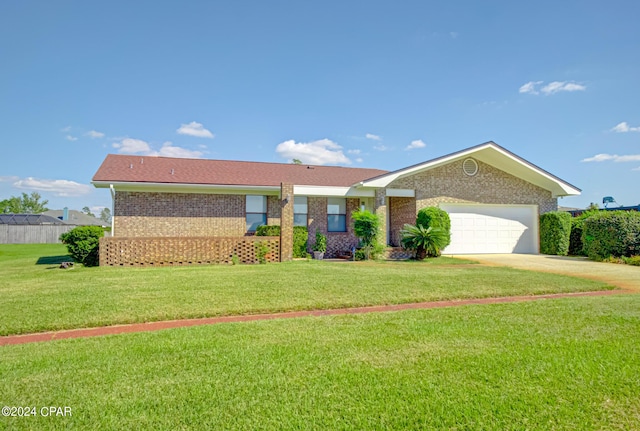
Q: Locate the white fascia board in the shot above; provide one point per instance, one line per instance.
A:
(332, 191)
(487, 153)
(189, 188)
(531, 173)
(400, 193)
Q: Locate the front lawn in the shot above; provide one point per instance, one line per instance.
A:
(37, 296)
(561, 364)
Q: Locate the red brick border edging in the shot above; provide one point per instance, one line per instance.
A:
(168, 324)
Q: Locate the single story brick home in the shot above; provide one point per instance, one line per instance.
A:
(493, 197)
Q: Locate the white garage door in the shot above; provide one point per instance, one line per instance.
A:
(492, 229)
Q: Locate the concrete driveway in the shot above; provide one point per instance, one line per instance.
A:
(624, 276)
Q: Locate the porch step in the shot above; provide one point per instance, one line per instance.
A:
(397, 253)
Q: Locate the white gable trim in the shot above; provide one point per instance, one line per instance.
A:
(492, 154)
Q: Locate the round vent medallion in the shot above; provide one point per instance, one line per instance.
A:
(470, 167)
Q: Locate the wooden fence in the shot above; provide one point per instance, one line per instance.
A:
(167, 251)
(32, 234)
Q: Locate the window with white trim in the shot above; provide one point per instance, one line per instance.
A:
(256, 212)
(336, 214)
(300, 211)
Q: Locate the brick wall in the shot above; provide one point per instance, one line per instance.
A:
(286, 221)
(154, 214)
(449, 184)
(337, 242)
(401, 212)
(273, 210)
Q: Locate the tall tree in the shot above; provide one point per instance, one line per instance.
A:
(25, 204)
(105, 215)
(87, 211)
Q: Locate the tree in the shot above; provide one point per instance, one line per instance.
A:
(297, 161)
(105, 215)
(88, 212)
(25, 204)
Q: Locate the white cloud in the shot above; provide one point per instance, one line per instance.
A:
(132, 146)
(416, 144)
(169, 150)
(636, 169)
(557, 86)
(359, 160)
(94, 134)
(66, 129)
(70, 138)
(624, 127)
(613, 157)
(354, 151)
(57, 187)
(530, 87)
(8, 178)
(194, 129)
(381, 147)
(453, 34)
(373, 137)
(97, 209)
(321, 152)
(138, 146)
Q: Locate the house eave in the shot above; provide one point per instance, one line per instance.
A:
(491, 154)
(299, 190)
(186, 188)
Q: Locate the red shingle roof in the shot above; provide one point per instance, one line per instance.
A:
(144, 169)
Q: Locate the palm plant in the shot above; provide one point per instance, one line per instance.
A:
(425, 241)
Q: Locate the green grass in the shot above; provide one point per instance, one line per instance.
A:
(37, 296)
(562, 364)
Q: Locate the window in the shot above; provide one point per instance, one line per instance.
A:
(300, 211)
(256, 212)
(337, 215)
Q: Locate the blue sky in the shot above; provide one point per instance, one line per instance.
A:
(357, 83)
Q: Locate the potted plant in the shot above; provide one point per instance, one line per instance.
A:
(320, 247)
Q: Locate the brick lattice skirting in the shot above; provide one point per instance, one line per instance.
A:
(161, 251)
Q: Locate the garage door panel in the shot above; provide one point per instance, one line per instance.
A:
(492, 229)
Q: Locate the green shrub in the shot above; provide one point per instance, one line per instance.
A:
(425, 241)
(555, 233)
(633, 260)
(83, 244)
(576, 247)
(366, 226)
(300, 239)
(271, 230)
(262, 248)
(436, 218)
(611, 233)
(321, 242)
